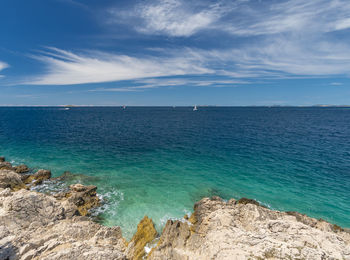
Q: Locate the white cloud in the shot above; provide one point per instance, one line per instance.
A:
(174, 18)
(274, 58)
(171, 17)
(181, 18)
(3, 66)
(284, 57)
(66, 68)
(317, 16)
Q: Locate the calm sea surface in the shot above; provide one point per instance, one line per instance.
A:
(159, 161)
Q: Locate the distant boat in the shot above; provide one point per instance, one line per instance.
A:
(195, 108)
(66, 108)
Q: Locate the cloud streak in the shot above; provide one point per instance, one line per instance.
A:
(67, 68)
(318, 16)
(142, 85)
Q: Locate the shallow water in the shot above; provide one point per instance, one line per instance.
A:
(159, 161)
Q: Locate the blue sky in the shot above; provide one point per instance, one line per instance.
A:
(174, 52)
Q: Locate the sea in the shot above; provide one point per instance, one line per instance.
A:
(158, 161)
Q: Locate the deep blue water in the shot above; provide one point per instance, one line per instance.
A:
(159, 161)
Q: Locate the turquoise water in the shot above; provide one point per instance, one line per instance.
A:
(159, 161)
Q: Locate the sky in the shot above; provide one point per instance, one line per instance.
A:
(174, 52)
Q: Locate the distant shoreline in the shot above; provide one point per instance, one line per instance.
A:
(185, 106)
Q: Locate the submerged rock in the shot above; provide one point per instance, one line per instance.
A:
(233, 230)
(2, 158)
(145, 233)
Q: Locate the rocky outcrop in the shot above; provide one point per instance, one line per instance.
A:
(21, 168)
(36, 178)
(145, 234)
(83, 197)
(38, 226)
(35, 225)
(11, 179)
(245, 230)
(5, 166)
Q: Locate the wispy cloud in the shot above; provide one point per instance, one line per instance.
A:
(275, 39)
(337, 84)
(315, 16)
(144, 84)
(172, 17)
(3, 66)
(240, 17)
(66, 68)
(294, 57)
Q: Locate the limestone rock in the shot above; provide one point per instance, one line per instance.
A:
(84, 197)
(145, 233)
(5, 166)
(36, 178)
(245, 230)
(10, 179)
(38, 226)
(21, 168)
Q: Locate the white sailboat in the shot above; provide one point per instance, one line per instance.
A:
(195, 108)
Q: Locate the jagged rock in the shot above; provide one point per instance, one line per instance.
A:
(2, 158)
(232, 230)
(10, 179)
(21, 168)
(145, 233)
(36, 178)
(38, 226)
(84, 197)
(5, 166)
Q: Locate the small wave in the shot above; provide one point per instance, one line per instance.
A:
(163, 220)
(50, 187)
(264, 204)
(109, 203)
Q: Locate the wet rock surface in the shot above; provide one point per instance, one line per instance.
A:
(36, 178)
(83, 197)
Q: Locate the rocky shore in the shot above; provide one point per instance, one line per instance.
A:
(35, 225)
